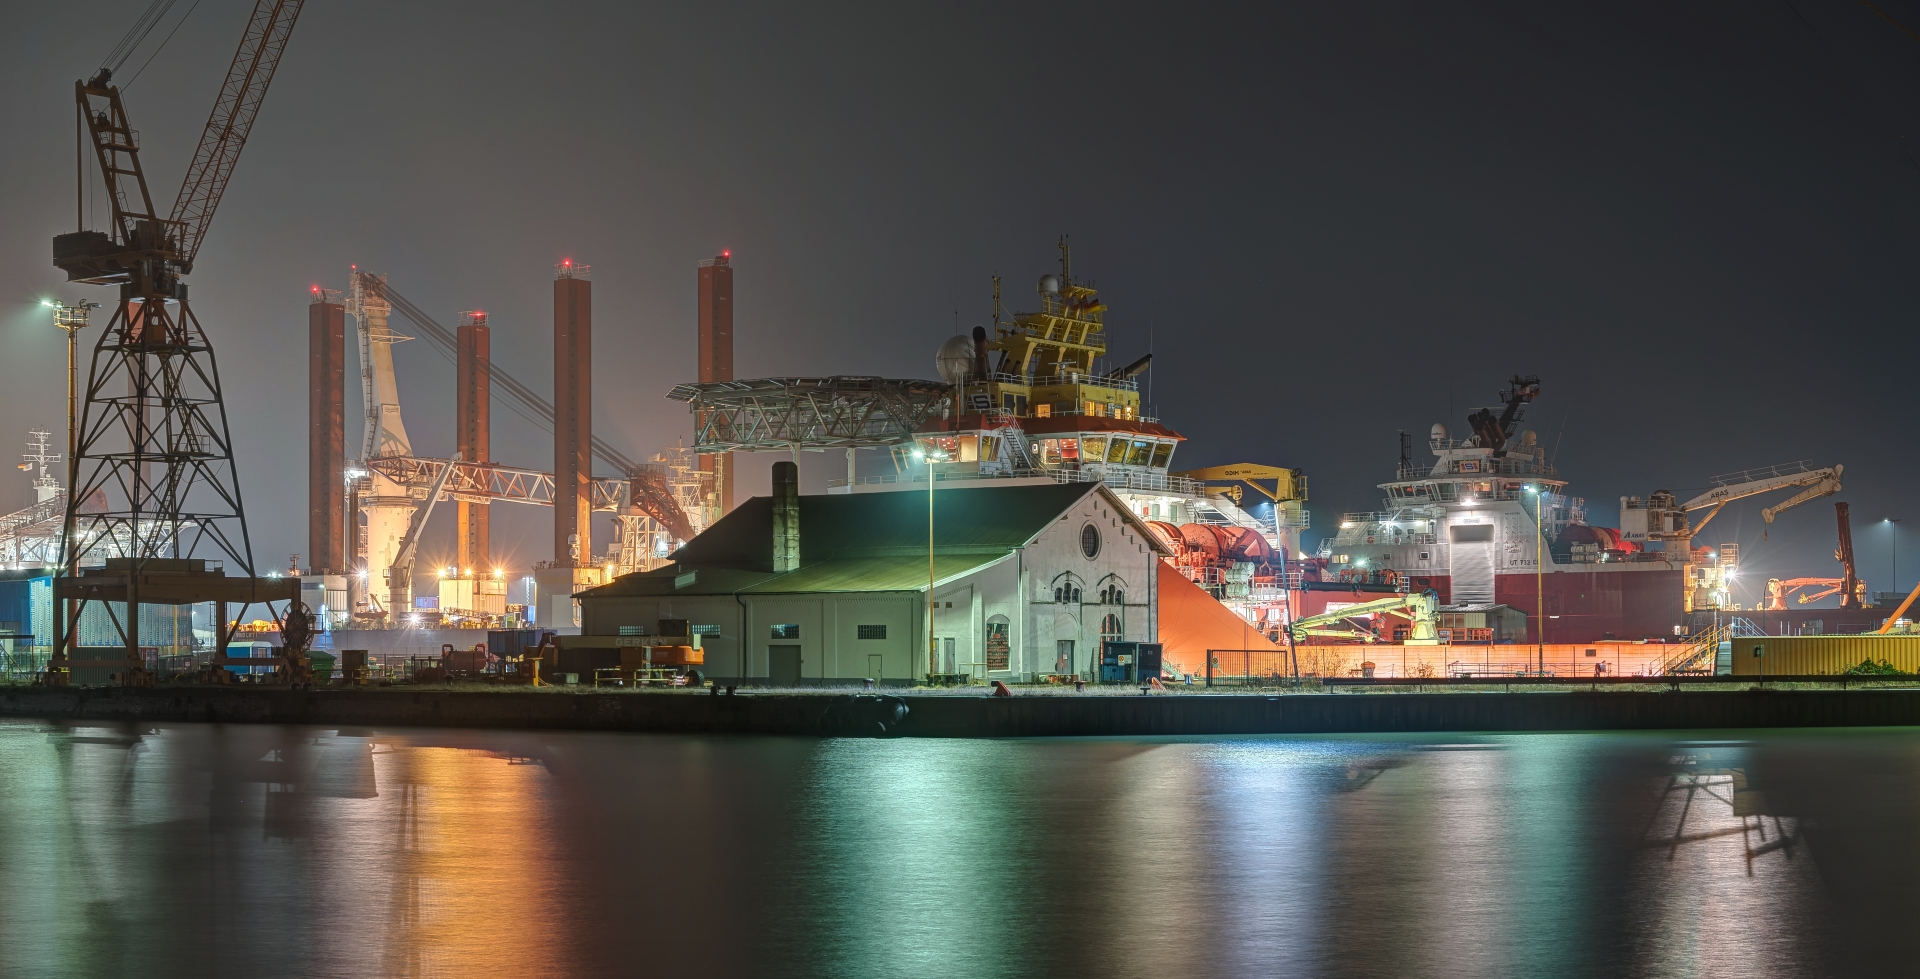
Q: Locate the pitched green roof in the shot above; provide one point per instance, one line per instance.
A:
(859, 574)
(986, 519)
(861, 542)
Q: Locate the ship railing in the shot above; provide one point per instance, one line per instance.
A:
(1069, 378)
(1142, 480)
(1764, 472)
(1148, 480)
(921, 477)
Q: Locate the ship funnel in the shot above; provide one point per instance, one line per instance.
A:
(980, 353)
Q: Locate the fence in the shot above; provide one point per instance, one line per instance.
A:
(1399, 660)
(1245, 667)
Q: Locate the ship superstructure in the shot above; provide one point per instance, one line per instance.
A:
(1032, 400)
(1488, 522)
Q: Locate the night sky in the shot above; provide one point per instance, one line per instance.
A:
(1696, 222)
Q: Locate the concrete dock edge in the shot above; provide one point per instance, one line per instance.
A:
(980, 717)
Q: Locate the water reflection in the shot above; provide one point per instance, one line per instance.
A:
(209, 850)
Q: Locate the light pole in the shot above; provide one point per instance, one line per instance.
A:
(71, 320)
(1893, 525)
(933, 644)
(1539, 579)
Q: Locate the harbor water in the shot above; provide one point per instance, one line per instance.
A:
(259, 851)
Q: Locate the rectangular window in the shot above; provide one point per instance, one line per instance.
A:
(788, 630)
(871, 631)
(706, 630)
(633, 630)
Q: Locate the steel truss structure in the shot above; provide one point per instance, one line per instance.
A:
(152, 441)
(775, 413)
(646, 494)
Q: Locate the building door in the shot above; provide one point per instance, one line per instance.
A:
(876, 666)
(1472, 563)
(783, 666)
(946, 655)
(1063, 656)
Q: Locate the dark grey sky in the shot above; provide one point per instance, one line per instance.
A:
(1696, 221)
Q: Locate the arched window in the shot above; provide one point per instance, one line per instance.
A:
(1113, 591)
(1066, 590)
(1110, 628)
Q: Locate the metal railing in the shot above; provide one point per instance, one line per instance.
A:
(1144, 480)
(1764, 472)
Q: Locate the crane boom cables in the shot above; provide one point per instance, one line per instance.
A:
(261, 46)
(155, 13)
(517, 396)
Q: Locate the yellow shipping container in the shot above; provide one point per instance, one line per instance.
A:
(1810, 655)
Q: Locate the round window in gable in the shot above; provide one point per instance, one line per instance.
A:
(1090, 541)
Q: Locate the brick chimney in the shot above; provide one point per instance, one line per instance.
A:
(786, 517)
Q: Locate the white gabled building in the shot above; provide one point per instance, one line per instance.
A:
(791, 590)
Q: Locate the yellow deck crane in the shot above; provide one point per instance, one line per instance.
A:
(1418, 608)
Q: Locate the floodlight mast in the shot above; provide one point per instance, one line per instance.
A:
(154, 426)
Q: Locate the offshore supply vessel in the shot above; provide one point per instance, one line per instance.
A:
(1033, 401)
(1488, 523)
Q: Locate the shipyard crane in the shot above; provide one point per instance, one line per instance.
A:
(1418, 608)
(400, 572)
(154, 426)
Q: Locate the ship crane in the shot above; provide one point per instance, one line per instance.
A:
(1418, 608)
(1660, 517)
(1803, 590)
(1756, 482)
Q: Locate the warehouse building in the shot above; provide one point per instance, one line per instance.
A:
(1027, 580)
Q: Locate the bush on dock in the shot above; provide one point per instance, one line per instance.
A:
(1868, 667)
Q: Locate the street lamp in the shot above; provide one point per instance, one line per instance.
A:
(71, 320)
(933, 644)
(1893, 524)
(1539, 579)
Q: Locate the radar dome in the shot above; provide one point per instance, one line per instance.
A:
(1049, 283)
(955, 359)
(1439, 433)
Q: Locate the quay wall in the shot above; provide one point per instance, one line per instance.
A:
(949, 716)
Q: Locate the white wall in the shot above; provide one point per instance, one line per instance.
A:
(1056, 553)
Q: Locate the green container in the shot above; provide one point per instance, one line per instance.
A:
(322, 665)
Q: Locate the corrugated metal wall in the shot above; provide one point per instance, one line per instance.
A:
(1806, 655)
